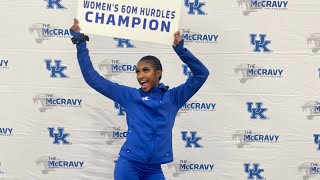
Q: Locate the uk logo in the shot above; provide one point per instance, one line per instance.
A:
(256, 112)
(192, 141)
(255, 172)
(124, 43)
(195, 6)
(56, 69)
(316, 141)
(59, 136)
(260, 44)
(145, 98)
(186, 71)
(121, 111)
(54, 4)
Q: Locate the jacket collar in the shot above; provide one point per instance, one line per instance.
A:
(156, 89)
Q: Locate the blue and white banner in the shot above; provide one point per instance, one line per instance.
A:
(144, 20)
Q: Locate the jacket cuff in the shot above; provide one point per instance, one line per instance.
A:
(80, 38)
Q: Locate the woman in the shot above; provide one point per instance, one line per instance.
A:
(150, 110)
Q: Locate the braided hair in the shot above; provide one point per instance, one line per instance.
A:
(154, 61)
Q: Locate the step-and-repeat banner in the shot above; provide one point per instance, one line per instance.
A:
(256, 117)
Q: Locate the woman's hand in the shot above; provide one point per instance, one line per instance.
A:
(177, 38)
(178, 44)
(75, 27)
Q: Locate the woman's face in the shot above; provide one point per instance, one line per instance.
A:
(147, 76)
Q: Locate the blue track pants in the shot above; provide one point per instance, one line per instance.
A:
(131, 170)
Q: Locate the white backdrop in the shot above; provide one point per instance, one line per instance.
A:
(286, 124)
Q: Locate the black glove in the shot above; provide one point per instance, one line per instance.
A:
(78, 37)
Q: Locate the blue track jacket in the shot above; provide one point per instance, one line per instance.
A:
(150, 115)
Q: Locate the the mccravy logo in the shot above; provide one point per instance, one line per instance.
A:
(252, 71)
(312, 108)
(311, 170)
(51, 163)
(198, 106)
(257, 5)
(246, 137)
(4, 64)
(114, 67)
(6, 131)
(272, 5)
(264, 138)
(112, 135)
(315, 40)
(196, 37)
(55, 163)
(186, 166)
(1, 171)
(49, 101)
(43, 32)
(193, 166)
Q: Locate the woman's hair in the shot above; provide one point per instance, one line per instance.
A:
(154, 61)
